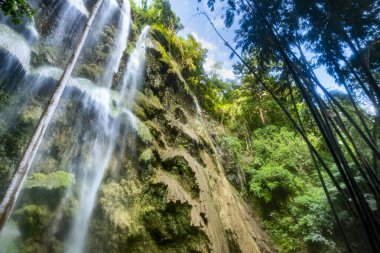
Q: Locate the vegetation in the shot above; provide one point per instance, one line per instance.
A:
(16, 9)
(305, 158)
(340, 135)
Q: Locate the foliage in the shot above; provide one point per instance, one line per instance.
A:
(314, 220)
(280, 146)
(295, 210)
(272, 185)
(280, 180)
(32, 218)
(159, 12)
(17, 9)
(273, 37)
(235, 160)
(187, 53)
(55, 180)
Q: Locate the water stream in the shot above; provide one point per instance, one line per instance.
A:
(108, 119)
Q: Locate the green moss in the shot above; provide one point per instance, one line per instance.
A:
(169, 224)
(151, 105)
(4, 98)
(143, 132)
(91, 71)
(32, 247)
(181, 171)
(155, 71)
(47, 189)
(48, 55)
(94, 59)
(52, 181)
(14, 140)
(131, 213)
(118, 217)
(147, 156)
(139, 112)
(32, 219)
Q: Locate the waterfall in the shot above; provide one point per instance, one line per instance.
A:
(107, 109)
(136, 64)
(90, 172)
(15, 44)
(119, 46)
(70, 19)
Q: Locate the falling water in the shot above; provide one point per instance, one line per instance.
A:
(90, 172)
(119, 46)
(13, 43)
(79, 5)
(109, 108)
(70, 16)
(136, 64)
(107, 11)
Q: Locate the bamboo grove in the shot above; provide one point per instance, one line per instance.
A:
(275, 35)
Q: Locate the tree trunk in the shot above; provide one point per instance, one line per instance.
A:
(262, 117)
(23, 168)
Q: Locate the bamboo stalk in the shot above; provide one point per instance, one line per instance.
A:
(23, 168)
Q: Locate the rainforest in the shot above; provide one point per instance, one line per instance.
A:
(123, 130)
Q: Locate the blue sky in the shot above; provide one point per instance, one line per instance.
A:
(199, 27)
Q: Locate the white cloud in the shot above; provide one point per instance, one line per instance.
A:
(205, 44)
(227, 73)
(219, 23)
(224, 71)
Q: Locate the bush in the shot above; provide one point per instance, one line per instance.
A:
(272, 185)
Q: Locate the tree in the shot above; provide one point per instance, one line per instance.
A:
(160, 12)
(18, 179)
(17, 9)
(279, 31)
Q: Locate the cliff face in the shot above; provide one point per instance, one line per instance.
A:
(162, 188)
(177, 198)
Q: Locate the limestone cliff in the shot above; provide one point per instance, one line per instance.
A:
(175, 195)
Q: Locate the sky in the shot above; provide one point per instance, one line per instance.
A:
(197, 25)
(200, 28)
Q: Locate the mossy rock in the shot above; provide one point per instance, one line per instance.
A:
(182, 172)
(147, 156)
(180, 115)
(56, 180)
(47, 189)
(143, 132)
(139, 112)
(48, 55)
(169, 223)
(91, 71)
(151, 105)
(32, 219)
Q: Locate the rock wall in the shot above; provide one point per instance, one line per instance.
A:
(172, 194)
